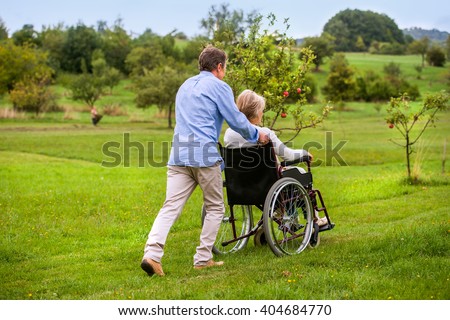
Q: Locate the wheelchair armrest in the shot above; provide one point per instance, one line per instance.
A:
(306, 159)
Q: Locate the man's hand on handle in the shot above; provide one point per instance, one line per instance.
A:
(263, 138)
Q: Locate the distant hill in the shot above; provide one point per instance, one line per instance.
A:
(356, 30)
(434, 34)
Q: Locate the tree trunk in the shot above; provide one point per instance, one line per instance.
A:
(169, 119)
(408, 153)
(444, 156)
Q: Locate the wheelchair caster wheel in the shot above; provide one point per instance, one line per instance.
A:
(260, 238)
(314, 241)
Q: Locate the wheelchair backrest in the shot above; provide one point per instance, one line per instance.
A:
(249, 173)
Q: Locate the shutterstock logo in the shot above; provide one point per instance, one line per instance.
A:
(127, 152)
(120, 153)
(332, 152)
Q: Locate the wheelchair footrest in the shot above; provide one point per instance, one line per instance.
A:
(326, 227)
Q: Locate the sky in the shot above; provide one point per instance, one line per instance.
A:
(306, 17)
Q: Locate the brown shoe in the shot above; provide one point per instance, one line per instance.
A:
(210, 263)
(152, 267)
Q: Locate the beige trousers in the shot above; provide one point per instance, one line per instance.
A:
(181, 182)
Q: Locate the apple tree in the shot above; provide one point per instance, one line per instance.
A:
(267, 63)
(401, 117)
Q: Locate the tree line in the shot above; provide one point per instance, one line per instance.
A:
(90, 61)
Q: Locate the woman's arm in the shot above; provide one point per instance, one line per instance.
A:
(283, 151)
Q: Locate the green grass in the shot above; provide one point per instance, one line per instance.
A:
(72, 229)
(432, 79)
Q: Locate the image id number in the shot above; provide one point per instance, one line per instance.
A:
(295, 310)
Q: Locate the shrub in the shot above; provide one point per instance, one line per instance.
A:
(114, 110)
(373, 87)
(436, 56)
(33, 94)
(341, 85)
(392, 48)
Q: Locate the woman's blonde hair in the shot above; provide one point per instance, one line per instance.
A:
(250, 103)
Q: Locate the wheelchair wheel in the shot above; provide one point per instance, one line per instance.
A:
(243, 223)
(315, 237)
(287, 217)
(259, 239)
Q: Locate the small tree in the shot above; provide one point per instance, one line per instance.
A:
(420, 47)
(20, 62)
(341, 85)
(322, 47)
(360, 45)
(266, 63)
(403, 119)
(86, 87)
(25, 75)
(436, 56)
(159, 87)
(33, 94)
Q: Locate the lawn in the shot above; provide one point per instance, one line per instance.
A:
(73, 229)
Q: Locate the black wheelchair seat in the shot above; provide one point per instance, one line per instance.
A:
(249, 173)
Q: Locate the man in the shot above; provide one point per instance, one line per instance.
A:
(202, 103)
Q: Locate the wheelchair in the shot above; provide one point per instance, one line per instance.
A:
(285, 197)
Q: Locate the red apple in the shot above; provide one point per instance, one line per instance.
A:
(391, 125)
(299, 90)
(285, 93)
(283, 114)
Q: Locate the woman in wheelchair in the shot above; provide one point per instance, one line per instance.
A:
(252, 105)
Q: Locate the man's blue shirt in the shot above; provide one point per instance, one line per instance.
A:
(202, 103)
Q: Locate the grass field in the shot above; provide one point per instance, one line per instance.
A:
(73, 229)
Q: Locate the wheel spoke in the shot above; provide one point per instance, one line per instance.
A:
(232, 228)
(288, 217)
